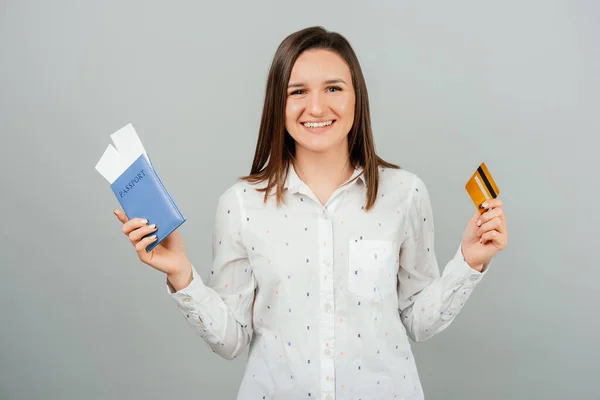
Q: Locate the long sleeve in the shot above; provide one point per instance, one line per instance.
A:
(221, 311)
(428, 301)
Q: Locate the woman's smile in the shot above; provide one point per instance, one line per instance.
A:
(318, 126)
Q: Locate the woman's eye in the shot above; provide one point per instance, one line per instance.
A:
(299, 91)
(334, 89)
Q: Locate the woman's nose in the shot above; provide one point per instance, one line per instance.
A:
(317, 104)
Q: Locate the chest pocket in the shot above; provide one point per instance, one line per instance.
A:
(371, 268)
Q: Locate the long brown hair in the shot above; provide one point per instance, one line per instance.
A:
(275, 148)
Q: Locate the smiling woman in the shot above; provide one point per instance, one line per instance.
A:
(316, 103)
(324, 262)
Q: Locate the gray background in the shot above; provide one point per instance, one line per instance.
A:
(513, 83)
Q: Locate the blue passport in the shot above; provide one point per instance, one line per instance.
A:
(142, 194)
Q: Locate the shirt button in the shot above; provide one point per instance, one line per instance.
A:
(327, 262)
(328, 397)
(327, 306)
(327, 352)
(187, 299)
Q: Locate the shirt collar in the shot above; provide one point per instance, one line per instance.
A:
(294, 184)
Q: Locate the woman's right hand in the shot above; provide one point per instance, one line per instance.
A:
(168, 257)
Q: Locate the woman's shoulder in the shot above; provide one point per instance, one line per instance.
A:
(399, 178)
(404, 186)
(241, 188)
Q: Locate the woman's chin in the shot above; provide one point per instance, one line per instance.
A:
(321, 145)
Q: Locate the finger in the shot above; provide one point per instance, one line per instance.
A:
(142, 244)
(136, 234)
(503, 227)
(489, 236)
(489, 215)
(475, 217)
(498, 239)
(493, 203)
(133, 224)
(120, 215)
(494, 224)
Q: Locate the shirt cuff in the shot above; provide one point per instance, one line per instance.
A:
(192, 301)
(196, 290)
(463, 271)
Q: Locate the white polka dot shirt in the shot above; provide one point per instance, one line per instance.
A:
(327, 297)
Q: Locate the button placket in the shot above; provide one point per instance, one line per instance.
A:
(327, 339)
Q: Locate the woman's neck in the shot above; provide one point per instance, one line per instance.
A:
(323, 173)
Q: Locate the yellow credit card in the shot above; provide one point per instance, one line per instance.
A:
(482, 187)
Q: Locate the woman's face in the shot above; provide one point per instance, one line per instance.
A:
(320, 102)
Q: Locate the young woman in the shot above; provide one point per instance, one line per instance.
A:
(324, 259)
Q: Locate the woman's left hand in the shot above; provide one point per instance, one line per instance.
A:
(481, 242)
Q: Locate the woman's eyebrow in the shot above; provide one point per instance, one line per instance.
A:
(327, 82)
(332, 81)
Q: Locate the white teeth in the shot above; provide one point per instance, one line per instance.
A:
(317, 124)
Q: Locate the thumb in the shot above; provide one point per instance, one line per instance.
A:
(121, 215)
(475, 217)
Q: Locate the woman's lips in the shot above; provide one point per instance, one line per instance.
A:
(319, 129)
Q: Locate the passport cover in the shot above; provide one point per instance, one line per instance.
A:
(142, 194)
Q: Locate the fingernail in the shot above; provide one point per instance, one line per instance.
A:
(485, 205)
(480, 240)
(115, 212)
(144, 221)
(153, 237)
(479, 223)
(152, 226)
